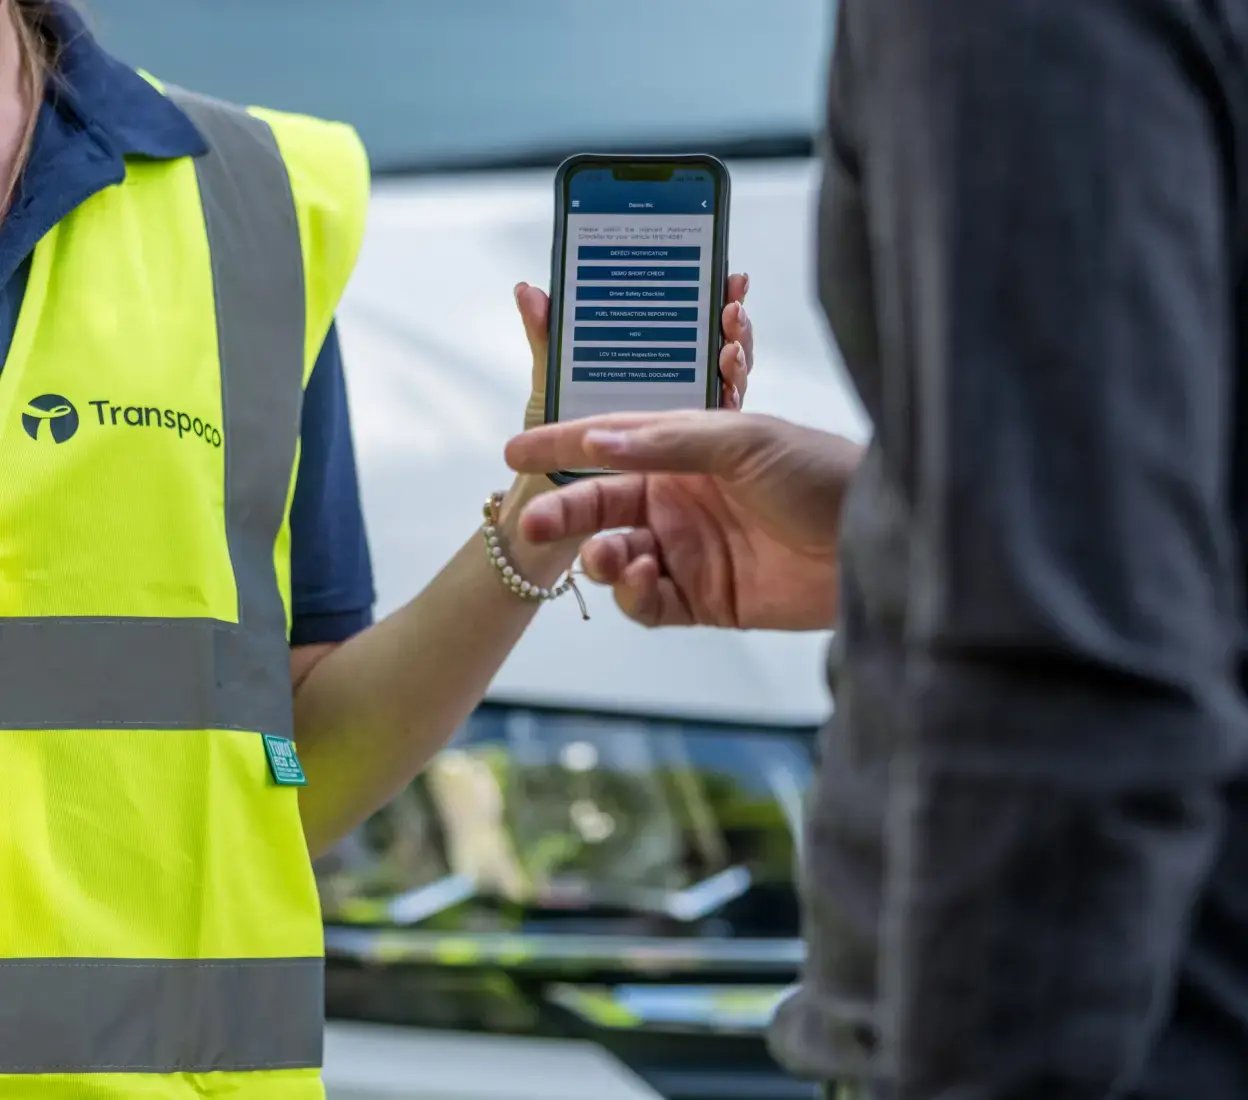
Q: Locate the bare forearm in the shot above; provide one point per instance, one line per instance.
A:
(371, 714)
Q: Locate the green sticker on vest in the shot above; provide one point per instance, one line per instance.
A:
(284, 762)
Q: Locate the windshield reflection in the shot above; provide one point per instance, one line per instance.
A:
(536, 819)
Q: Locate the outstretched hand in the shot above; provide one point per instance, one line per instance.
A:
(731, 521)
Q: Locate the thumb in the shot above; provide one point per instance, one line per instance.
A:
(534, 309)
(702, 443)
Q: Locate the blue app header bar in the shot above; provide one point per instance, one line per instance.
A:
(597, 191)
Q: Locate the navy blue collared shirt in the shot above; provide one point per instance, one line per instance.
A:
(97, 113)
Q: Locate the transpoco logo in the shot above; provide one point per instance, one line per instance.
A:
(54, 410)
(63, 422)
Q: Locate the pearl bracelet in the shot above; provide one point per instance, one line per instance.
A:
(507, 572)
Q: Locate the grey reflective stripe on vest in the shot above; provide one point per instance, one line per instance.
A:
(188, 673)
(160, 1016)
(257, 269)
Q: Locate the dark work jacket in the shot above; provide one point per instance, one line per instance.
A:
(1027, 870)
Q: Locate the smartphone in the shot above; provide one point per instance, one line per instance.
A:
(638, 280)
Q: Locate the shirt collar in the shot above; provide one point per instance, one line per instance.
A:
(114, 100)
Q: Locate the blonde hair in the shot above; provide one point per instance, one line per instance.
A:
(30, 21)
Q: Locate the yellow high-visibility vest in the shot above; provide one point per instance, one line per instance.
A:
(160, 935)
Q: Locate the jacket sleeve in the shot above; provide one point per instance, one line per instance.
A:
(1047, 187)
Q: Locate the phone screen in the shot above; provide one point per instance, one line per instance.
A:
(639, 327)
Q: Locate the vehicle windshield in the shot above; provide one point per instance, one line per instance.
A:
(451, 83)
(605, 823)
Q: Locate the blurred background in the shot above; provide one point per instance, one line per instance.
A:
(592, 891)
(432, 85)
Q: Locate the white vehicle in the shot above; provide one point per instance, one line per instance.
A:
(591, 892)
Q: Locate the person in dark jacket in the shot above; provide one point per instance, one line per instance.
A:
(1027, 871)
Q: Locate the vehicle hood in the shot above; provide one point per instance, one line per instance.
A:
(438, 375)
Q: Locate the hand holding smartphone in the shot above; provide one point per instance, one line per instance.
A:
(638, 280)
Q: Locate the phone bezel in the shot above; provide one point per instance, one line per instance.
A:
(719, 267)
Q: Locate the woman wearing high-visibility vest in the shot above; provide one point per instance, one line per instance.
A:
(184, 582)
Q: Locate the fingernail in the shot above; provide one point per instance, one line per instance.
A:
(746, 276)
(516, 291)
(741, 318)
(741, 360)
(736, 398)
(605, 442)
